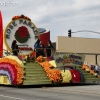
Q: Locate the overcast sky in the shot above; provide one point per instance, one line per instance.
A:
(57, 15)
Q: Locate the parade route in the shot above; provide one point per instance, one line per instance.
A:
(77, 92)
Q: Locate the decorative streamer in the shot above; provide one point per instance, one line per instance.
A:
(1, 36)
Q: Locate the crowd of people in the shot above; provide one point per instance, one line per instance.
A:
(96, 68)
(39, 48)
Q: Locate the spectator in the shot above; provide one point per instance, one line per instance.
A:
(96, 68)
(92, 67)
(99, 70)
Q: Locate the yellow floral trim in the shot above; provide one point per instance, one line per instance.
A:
(17, 59)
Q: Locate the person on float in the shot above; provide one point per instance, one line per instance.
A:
(39, 48)
(36, 46)
(14, 48)
(49, 48)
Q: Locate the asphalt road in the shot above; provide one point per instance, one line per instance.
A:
(65, 92)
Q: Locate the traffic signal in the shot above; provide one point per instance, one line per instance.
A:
(69, 33)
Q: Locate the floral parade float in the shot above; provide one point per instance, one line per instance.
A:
(26, 69)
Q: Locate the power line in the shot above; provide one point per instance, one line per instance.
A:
(86, 31)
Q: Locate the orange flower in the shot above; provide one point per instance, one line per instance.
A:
(53, 74)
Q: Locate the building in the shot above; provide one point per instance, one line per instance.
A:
(88, 46)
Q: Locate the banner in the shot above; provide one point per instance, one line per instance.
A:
(1, 36)
(69, 59)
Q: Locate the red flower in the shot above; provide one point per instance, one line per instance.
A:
(23, 32)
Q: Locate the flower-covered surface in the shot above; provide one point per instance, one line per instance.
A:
(22, 34)
(85, 67)
(66, 75)
(17, 59)
(76, 77)
(53, 74)
(4, 79)
(9, 70)
(21, 16)
(58, 75)
(13, 68)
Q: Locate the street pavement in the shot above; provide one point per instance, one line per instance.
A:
(62, 92)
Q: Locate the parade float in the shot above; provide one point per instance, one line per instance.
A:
(26, 69)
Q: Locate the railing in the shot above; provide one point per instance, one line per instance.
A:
(6, 53)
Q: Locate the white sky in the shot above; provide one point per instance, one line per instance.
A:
(57, 15)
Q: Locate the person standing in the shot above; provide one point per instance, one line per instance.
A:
(36, 46)
(14, 48)
(99, 71)
(40, 49)
(49, 47)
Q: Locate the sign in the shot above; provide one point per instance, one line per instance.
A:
(24, 32)
(68, 59)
